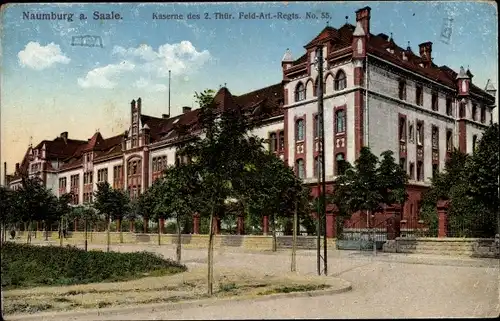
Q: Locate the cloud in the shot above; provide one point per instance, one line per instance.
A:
(40, 57)
(181, 58)
(143, 83)
(102, 77)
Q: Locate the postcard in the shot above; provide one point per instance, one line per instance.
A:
(306, 130)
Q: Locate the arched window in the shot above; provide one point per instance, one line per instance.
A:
(339, 121)
(474, 112)
(300, 92)
(300, 168)
(340, 82)
(461, 111)
(340, 164)
(299, 130)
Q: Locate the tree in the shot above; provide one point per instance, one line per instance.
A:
(470, 183)
(113, 204)
(34, 201)
(370, 185)
(8, 203)
(86, 213)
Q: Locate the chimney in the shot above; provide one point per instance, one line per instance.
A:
(132, 104)
(425, 50)
(139, 100)
(186, 109)
(17, 168)
(165, 116)
(363, 16)
(64, 135)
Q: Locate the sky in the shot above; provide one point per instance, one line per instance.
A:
(49, 86)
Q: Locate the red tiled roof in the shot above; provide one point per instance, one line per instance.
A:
(377, 45)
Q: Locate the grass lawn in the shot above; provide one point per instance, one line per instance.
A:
(25, 265)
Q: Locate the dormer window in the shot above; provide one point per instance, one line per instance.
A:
(35, 152)
(405, 58)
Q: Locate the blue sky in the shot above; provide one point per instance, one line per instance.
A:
(49, 86)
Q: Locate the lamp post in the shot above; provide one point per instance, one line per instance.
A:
(321, 161)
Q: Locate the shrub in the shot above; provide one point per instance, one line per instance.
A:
(28, 265)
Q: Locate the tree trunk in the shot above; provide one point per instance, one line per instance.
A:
(179, 238)
(273, 226)
(86, 228)
(119, 228)
(294, 241)
(28, 238)
(61, 229)
(46, 231)
(211, 253)
(159, 232)
(108, 234)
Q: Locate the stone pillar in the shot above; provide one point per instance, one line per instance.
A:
(393, 221)
(162, 225)
(442, 209)
(241, 225)
(265, 225)
(75, 225)
(196, 224)
(145, 227)
(131, 226)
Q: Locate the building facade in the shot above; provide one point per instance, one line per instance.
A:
(375, 92)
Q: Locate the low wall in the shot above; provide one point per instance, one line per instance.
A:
(473, 247)
(195, 241)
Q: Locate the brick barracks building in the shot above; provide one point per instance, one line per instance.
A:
(376, 94)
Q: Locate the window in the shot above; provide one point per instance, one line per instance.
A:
(483, 114)
(300, 92)
(474, 141)
(435, 170)
(117, 172)
(87, 197)
(435, 101)
(435, 137)
(316, 86)
(87, 178)
(75, 181)
(402, 90)
(419, 95)
(412, 170)
(420, 171)
(102, 175)
(281, 141)
(340, 164)
(134, 142)
(62, 183)
(449, 141)
(411, 134)
(339, 121)
(299, 130)
(461, 111)
(420, 133)
(340, 82)
(449, 107)
(474, 112)
(317, 166)
(273, 142)
(402, 129)
(300, 168)
(317, 127)
(402, 163)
